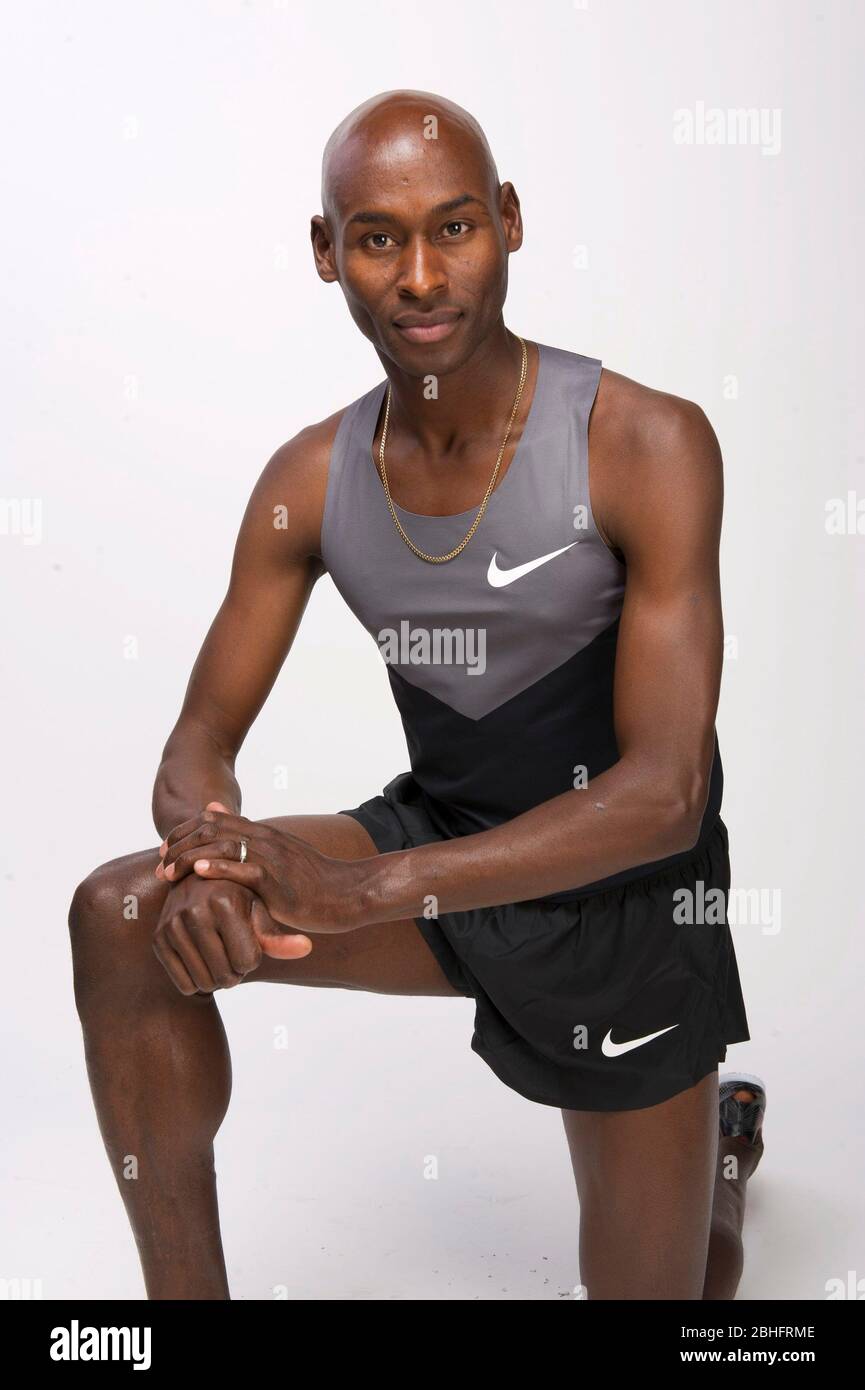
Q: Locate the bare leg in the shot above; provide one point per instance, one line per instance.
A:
(158, 1061)
(737, 1159)
(645, 1181)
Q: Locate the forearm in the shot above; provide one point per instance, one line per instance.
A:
(624, 818)
(194, 770)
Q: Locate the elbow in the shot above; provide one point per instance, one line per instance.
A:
(669, 795)
(684, 808)
(673, 804)
(685, 829)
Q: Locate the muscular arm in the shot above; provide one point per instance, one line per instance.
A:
(273, 571)
(659, 501)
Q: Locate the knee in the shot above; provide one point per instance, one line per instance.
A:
(105, 898)
(93, 899)
(106, 909)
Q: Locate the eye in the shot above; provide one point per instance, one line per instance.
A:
(456, 224)
(367, 240)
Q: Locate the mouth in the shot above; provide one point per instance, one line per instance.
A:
(428, 328)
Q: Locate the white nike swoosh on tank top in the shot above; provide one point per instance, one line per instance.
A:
(499, 578)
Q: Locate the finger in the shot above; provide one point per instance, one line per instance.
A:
(250, 874)
(211, 806)
(203, 817)
(211, 826)
(180, 831)
(211, 947)
(179, 937)
(234, 924)
(201, 837)
(284, 945)
(281, 944)
(181, 866)
(205, 834)
(188, 827)
(173, 966)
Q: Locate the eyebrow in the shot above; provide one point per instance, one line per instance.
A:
(373, 215)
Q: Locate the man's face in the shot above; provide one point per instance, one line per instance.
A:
(420, 246)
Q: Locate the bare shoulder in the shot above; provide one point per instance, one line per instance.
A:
(649, 450)
(289, 496)
(643, 420)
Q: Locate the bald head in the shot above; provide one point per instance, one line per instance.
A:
(415, 220)
(399, 126)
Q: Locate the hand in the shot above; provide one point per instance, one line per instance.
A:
(298, 886)
(210, 935)
(160, 867)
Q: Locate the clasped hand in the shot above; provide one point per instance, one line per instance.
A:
(300, 887)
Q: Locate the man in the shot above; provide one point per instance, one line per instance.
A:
(553, 636)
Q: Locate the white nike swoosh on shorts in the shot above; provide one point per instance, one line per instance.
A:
(499, 578)
(611, 1049)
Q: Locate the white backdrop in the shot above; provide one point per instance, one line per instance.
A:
(164, 331)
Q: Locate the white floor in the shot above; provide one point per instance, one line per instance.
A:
(322, 1163)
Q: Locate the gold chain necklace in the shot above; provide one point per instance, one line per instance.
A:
(439, 559)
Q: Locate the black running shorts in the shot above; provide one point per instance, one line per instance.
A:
(614, 1001)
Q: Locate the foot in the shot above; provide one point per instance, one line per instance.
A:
(748, 1152)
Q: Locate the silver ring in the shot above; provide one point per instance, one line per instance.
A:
(243, 849)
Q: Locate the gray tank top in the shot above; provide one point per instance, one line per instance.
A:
(500, 660)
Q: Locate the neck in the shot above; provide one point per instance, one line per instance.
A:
(474, 401)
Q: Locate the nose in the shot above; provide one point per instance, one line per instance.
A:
(421, 270)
